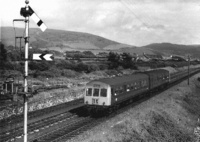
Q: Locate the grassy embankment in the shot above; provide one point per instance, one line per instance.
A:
(169, 116)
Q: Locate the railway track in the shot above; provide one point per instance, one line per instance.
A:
(5, 136)
(68, 127)
(71, 130)
(66, 131)
(13, 127)
(19, 118)
(50, 128)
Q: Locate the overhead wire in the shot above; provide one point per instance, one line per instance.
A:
(138, 18)
(147, 20)
(132, 3)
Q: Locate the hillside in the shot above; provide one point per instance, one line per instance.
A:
(59, 39)
(138, 50)
(182, 50)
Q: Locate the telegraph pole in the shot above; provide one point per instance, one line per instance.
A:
(188, 69)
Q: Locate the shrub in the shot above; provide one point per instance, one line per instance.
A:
(41, 65)
(103, 67)
(68, 73)
(112, 72)
(46, 74)
(93, 67)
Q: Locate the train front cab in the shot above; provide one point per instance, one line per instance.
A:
(97, 96)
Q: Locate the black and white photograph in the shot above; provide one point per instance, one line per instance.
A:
(100, 71)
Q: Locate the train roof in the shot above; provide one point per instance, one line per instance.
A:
(157, 71)
(115, 81)
(169, 69)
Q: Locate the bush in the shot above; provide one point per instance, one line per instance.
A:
(68, 73)
(81, 67)
(113, 72)
(93, 67)
(46, 74)
(63, 64)
(14, 73)
(41, 65)
(103, 67)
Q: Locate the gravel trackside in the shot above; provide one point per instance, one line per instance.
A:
(170, 116)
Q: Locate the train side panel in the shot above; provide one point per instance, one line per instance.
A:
(122, 92)
(158, 78)
(177, 75)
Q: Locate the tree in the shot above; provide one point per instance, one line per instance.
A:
(3, 56)
(40, 65)
(126, 60)
(114, 60)
(3, 53)
(88, 54)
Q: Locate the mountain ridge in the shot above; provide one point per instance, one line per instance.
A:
(60, 40)
(177, 49)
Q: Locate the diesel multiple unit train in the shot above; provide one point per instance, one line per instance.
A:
(108, 93)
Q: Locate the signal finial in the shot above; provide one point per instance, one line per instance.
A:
(27, 1)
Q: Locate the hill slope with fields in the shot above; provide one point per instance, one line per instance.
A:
(182, 50)
(60, 40)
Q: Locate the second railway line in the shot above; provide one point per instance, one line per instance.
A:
(38, 126)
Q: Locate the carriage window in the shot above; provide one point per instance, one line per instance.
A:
(124, 88)
(132, 86)
(112, 91)
(117, 91)
(96, 92)
(143, 83)
(103, 92)
(89, 92)
(121, 90)
(128, 87)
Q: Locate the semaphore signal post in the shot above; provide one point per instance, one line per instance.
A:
(27, 12)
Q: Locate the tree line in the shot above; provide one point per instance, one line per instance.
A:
(11, 61)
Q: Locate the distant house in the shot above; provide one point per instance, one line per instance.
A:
(153, 56)
(178, 58)
(139, 58)
(102, 54)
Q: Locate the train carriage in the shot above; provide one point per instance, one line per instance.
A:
(111, 91)
(158, 78)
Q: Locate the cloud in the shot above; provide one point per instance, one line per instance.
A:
(136, 22)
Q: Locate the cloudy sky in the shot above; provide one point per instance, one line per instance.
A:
(135, 22)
